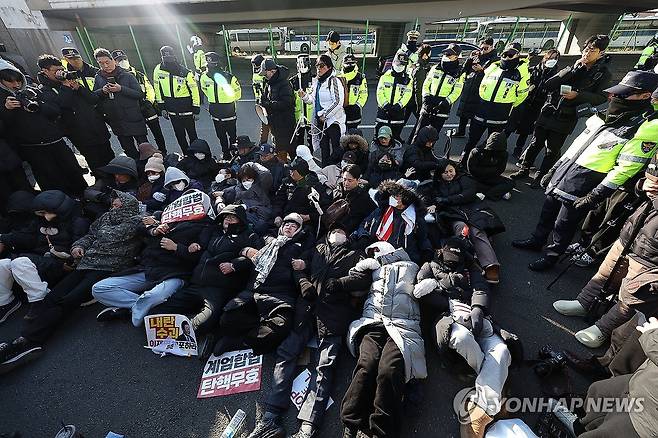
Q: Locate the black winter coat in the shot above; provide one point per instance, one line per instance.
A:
(204, 170)
(32, 128)
(333, 310)
(123, 113)
(485, 163)
(470, 97)
(523, 117)
(279, 101)
(292, 197)
(360, 206)
(420, 157)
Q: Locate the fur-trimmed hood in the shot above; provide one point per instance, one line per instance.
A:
(354, 138)
(389, 188)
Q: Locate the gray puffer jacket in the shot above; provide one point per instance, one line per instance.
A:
(256, 199)
(112, 242)
(390, 302)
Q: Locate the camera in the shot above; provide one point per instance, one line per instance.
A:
(63, 75)
(27, 99)
(550, 361)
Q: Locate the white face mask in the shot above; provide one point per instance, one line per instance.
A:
(337, 238)
(220, 177)
(247, 184)
(124, 64)
(551, 63)
(398, 68)
(343, 164)
(392, 201)
(200, 155)
(153, 178)
(180, 186)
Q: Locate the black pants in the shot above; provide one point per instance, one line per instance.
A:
(184, 128)
(395, 127)
(373, 401)
(541, 138)
(303, 136)
(61, 302)
(97, 155)
(330, 145)
(205, 303)
(156, 130)
(263, 334)
(494, 188)
(562, 219)
(475, 134)
(463, 122)
(55, 167)
(10, 182)
(227, 134)
(129, 144)
(625, 353)
(427, 119)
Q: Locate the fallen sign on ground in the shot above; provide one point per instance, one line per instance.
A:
(231, 373)
(170, 334)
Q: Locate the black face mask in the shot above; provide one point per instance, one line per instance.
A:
(450, 66)
(233, 229)
(385, 166)
(619, 105)
(508, 64)
(412, 45)
(348, 68)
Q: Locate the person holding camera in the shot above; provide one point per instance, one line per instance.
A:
(611, 150)
(80, 120)
(77, 69)
(120, 96)
(573, 88)
(30, 121)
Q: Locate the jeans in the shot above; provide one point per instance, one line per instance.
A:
(131, 292)
(24, 272)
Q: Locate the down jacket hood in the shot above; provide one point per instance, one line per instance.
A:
(20, 201)
(54, 201)
(199, 146)
(234, 209)
(426, 133)
(5, 65)
(175, 174)
(391, 188)
(354, 138)
(496, 142)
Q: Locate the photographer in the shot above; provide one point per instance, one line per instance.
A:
(120, 96)
(78, 70)
(81, 123)
(572, 87)
(30, 122)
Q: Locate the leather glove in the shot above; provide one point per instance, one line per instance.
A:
(587, 202)
(477, 320)
(545, 180)
(165, 114)
(386, 107)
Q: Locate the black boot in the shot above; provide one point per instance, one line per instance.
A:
(18, 353)
(543, 263)
(521, 173)
(530, 244)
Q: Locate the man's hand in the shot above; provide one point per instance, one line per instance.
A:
(168, 244)
(161, 230)
(649, 325)
(165, 114)
(226, 268)
(74, 85)
(587, 202)
(194, 247)
(570, 95)
(277, 221)
(650, 187)
(113, 88)
(322, 119)
(149, 220)
(301, 93)
(250, 252)
(305, 217)
(77, 252)
(477, 68)
(545, 180)
(298, 265)
(12, 103)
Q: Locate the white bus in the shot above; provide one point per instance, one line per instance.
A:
(255, 40)
(298, 42)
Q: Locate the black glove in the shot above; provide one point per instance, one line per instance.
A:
(545, 180)
(241, 300)
(386, 107)
(587, 202)
(431, 101)
(332, 286)
(196, 110)
(441, 200)
(477, 320)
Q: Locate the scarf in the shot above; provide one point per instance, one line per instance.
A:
(385, 228)
(264, 261)
(320, 81)
(113, 73)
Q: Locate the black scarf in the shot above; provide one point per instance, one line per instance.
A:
(620, 107)
(324, 77)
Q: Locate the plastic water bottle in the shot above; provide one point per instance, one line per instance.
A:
(235, 425)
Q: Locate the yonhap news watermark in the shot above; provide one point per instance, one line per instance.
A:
(515, 405)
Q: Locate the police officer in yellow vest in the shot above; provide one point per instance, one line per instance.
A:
(394, 91)
(73, 62)
(258, 85)
(147, 105)
(303, 80)
(503, 87)
(199, 56)
(442, 87)
(649, 56)
(611, 150)
(357, 88)
(222, 90)
(177, 95)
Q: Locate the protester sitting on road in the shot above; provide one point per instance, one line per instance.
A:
(354, 141)
(419, 159)
(386, 340)
(323, 311)
(221, 273)
(151, 191)
(268, 159)
(199, 163)
(176, 182)
(119, 174)
(261, 316)
(146, 151)
(172, 250)
(452, 290)
(453, 198)
(110, 246)
(385, 143)
(486, 164)
(352, 203)
(252, 192)
(398, 220)
(40, 253)
(17, 217)
(382, 170)
(628, 268)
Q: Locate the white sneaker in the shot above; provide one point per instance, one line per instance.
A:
(507, 196)
(569, 308)
(584, 260)
(574, 248)
(591, 337)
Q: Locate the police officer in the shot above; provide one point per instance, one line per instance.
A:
(148, 106)
(442, 87)
(199, 56)
(303, 80)
(649, 56)
(177, 93)
(394, 91)
(258, 85)
(335, 50)
(412, 49)
(73, 62)
(357, 88)
(222, 90)
(503, 87)
(611, 150)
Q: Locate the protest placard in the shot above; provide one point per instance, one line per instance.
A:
(300, 388)
(170, 334)
(189, 207)
(231, 373)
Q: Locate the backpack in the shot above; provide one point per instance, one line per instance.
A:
(346, 90)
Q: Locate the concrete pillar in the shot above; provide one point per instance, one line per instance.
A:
(582, 27)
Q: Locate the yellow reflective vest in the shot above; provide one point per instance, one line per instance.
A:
(500, 91)
(200, 63)
(392, 90)
(175, 92)
(222, 87)
(357, 87)
(144, 82)
(440, 84)
(258, 85)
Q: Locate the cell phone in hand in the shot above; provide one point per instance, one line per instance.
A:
(564, 89)
(111, 80)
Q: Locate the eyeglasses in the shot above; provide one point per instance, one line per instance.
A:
(320, 65)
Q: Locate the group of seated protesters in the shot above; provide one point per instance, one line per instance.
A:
(274, 255)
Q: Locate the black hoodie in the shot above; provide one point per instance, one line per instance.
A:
(204, 170)
(489, 161)
(279, 101)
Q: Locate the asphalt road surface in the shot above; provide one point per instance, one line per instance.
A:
(101, 378)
